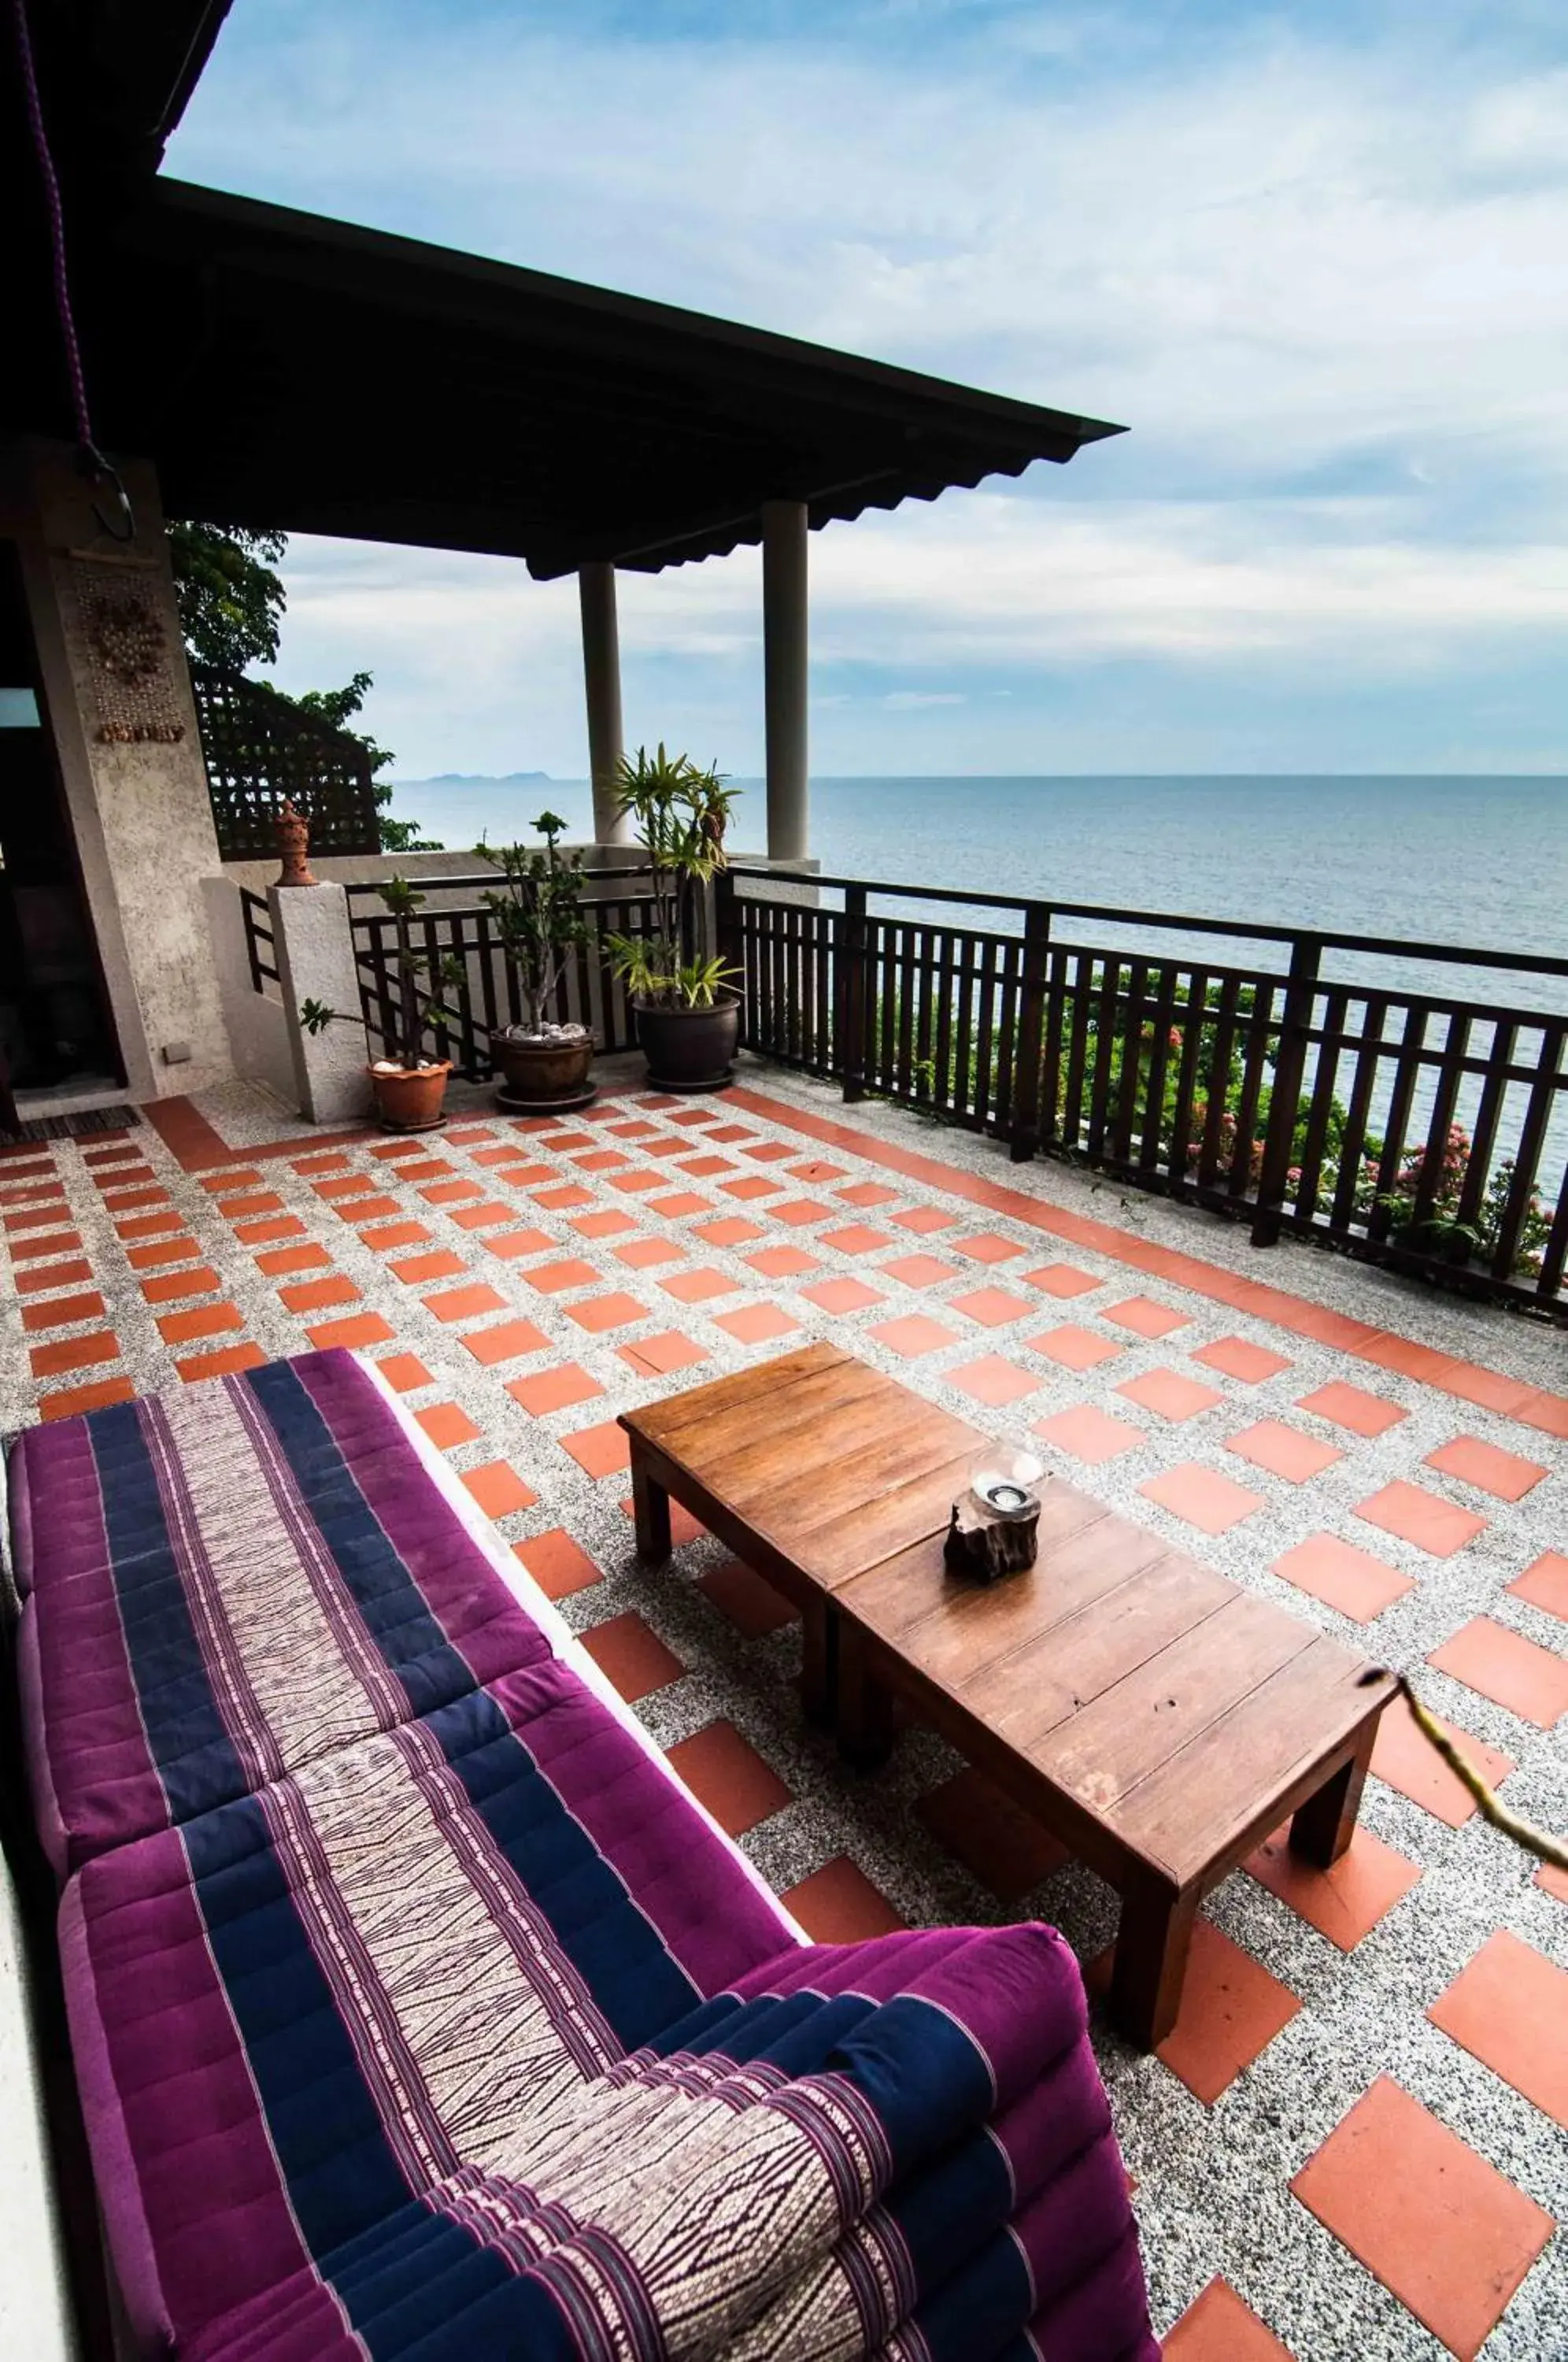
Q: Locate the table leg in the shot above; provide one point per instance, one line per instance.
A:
(1150, 1963)
(650, 1511)
(865, 1705)
(818, 1661)
(1323, 1826)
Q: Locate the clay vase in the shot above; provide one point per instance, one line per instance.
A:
(293, 846)
(409, 1098)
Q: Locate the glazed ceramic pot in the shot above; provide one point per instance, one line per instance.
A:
(690, 1049)
(544, 1074)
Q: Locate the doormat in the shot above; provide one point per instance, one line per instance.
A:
(77, 1127)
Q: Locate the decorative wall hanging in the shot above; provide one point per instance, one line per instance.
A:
(128, 642)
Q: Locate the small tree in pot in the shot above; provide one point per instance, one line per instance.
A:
(409, 1088)
(687, 1014)
(540, 922)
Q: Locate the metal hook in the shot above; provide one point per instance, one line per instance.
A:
(122, 525)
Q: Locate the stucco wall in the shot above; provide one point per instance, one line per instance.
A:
(140, 813)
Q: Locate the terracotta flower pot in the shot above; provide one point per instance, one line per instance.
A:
(690, 1049)
(408, 1098)
(544, 1074)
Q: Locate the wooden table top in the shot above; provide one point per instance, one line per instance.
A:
(1168, 1713)
(832, 1464)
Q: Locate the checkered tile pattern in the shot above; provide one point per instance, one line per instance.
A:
(1352, 2144)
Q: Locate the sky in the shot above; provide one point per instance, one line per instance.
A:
(1312, 255)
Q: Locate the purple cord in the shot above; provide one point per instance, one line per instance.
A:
(57, 232)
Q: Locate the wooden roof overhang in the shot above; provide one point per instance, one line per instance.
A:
(285, 370)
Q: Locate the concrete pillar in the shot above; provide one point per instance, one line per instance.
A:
(601, 679)
(139, 807)
(785, 663)
(315, 948)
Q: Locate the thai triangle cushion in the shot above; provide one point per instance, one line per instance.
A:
(227, 1582)
(474, 2039)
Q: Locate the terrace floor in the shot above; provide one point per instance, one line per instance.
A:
(1354, 2144)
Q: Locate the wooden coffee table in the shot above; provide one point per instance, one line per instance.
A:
(813, 1467)
(1158, 1719)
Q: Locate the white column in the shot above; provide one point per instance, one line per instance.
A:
(601, 679)
(785, 656)
(314, 944)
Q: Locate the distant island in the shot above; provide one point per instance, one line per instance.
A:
(471, 780)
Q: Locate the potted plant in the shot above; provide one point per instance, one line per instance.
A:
(686, 1012)
(408, 1087)
(540, 922)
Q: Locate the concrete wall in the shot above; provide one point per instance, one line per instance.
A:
(140, 813)
(257, 1026)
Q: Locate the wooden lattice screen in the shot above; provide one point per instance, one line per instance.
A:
(259, 752)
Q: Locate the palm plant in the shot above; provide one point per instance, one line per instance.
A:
(537, 915)
(681, 812)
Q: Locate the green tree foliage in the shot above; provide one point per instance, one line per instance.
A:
(231, 601)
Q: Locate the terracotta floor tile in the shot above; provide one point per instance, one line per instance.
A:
(749, 1186)
(451, 1193)
(404, 1372)
(838, 1904)
(698, 1286)
(857, 1238)
(632, 1657)
(1424, 1518)
(1352, 1407)
(510, 1246)
(1072, 1348)
(865, 1193)
(62, 1311)
(556, 1278)
(749, 1324)
(727, 1775)
(752, 1605)
(1548, 1877)
(488, 1216)
(729, 1230)
(561, 1140)
(678, 1204)
(917, 1270)
(528, 1176)
(70, 1401)
(161, 1251)
(608, 1222)
(123, 1201)
(223, 1363)
(615, 1310)
(1284, 1450)
(766, 1151)
(782, 1263)
(701, 1167)
(1220, 2328)
(799, 1213)
(557, 1564)
(841, 1294)
(1344, 1904)
(208, 1320)
(500, 1152)
(35, 1248)
(1509, 2007)
(1437, 2225)
(446, 1425)
(278, 1260)
(315, 1295)
(499, 1489)
(1144, 1316)
(644, 1254)
(1240, 1358)
(348, 1184)
(1404, 1758)
(1502, 1473)
(993, 1381)
(547, 1390)
(263, 1201)
(465, 1302)
(569, 1194)
(157, 1226)
(1202, 1497)
(1090, 1434)
(419, 1270)
(984, 1246)
(1343, 1576)
(399, 1234)
(53, 1275)
(816, 1169)
(659, 1356)
(601, 1160)
(509, 1340)
(37, 1219)
(1545, 1583)
(998, 1843)
(923, 1219)
(360, 1328)
(1168, 1395)
(1230, 2011)
(683, 1526)
(357, 1211)
(599, 1450)
(1531, 1682)
(992, 1307)
(913, 1335)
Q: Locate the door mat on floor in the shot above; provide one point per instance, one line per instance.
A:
(75, 1127)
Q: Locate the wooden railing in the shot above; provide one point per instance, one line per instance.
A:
(488, 996)
(1321, 1091)
(260, 951)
